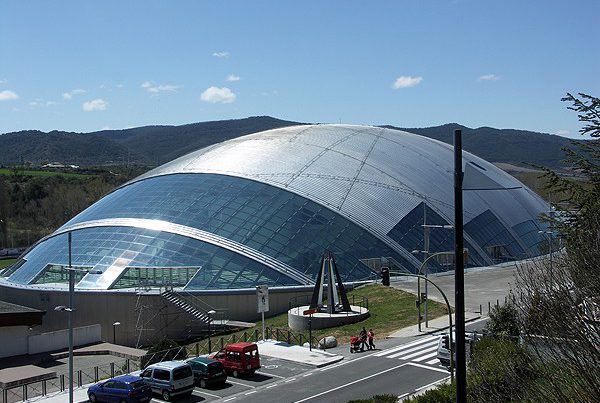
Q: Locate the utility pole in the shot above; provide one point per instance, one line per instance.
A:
(459, 274)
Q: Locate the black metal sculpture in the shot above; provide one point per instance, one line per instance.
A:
(337, 300)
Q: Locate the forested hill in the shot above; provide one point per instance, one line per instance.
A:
(155, 145)
(147, 145)
(518, 147)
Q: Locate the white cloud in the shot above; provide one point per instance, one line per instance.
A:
(221, 54)
(406, 82)
(489, 77)
(8, 95)
(95, 105)
(218, 95)
(152, 87)
(69, 95)
(233, 77)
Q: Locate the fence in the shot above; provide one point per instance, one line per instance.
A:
(61, 383)
(94, 374)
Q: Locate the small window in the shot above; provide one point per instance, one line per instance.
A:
(119, 385)
(182, 373)
(109, 384)
(161, 375)
(146, 374)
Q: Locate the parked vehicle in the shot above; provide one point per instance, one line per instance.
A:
(207, 371)
(239, 358)
(443, 348)
(121, 389)
(169, 378)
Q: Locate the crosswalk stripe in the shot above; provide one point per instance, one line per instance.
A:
(425, 357)
(433, 362)
(404, 346)
(407, 357)
(410, 350)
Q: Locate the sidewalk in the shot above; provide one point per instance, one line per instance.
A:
(284, 351)
(435, 325)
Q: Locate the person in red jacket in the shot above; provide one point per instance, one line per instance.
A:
(371, 337)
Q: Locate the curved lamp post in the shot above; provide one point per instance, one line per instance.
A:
(425, 277)
(447, 305)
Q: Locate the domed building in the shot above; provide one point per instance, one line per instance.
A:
(207, 228)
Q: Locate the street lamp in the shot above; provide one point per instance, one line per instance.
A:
(447, 306)
(114, 331)
(69, 309)
(448, 253)
(210, 319)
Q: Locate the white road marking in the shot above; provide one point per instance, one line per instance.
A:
(433, 362)
(273, 375)
(327, 368)
(351, 383)
(425, 357)
(414, 364)
(249, 393)
(410, 350)
(402, 395)
(206, 393)
(231, 398)
(418, 353)
(289, 380)
(309, 374)
(404, 346)
(241, 384)
(271, 386)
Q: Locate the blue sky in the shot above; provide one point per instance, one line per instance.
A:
(85, 65)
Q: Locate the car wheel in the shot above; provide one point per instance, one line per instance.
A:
(92, 397)
(236, 374)
(166, 395)
(203, 383)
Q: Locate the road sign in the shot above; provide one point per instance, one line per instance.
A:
(262, 295)
(310, 311)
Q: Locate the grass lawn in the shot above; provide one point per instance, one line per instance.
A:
(6, 262)
(390, 310)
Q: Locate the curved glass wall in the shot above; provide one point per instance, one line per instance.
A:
(132, 257)
(281, 224)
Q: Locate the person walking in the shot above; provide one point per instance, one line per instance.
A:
(363, 339)
(371, 337)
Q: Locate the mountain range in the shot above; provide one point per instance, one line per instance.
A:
(155, 145)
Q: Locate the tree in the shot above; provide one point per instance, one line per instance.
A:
(559, 299)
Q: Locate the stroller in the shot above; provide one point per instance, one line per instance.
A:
(355, 344)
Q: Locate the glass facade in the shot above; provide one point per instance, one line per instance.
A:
(283, 225)
(409, 233)
(490, 234)
(131, 257)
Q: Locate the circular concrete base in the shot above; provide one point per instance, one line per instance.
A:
(321, 320)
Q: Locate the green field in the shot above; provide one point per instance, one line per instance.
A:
(10, 172)
(390, 310)
(6, 262)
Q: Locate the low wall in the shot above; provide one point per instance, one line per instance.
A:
(298, 321)
(13, 340)
(59, 340)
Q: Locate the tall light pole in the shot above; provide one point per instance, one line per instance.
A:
(69, 309)
(210, 319)
(115, 332)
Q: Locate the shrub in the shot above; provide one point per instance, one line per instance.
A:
(444, 393)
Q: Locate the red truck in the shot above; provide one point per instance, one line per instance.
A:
(239, 358)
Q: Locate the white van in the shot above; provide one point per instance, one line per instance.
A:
(443, 348)
(169, 378)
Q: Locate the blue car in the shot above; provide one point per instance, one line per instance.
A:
(120, 389)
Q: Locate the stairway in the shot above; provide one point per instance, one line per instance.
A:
(182, 304)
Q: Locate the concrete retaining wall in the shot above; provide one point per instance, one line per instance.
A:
(59, 340)
(13, 340)
(298, 321)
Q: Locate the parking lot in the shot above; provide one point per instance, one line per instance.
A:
(273, 372)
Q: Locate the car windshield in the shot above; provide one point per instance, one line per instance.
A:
(181, 373)
(137, 384)
(215, 367)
